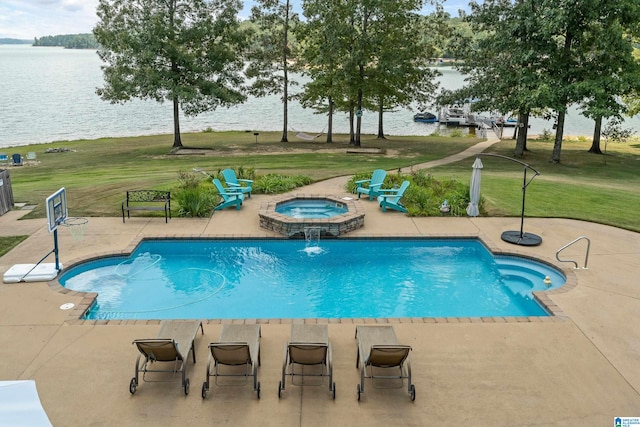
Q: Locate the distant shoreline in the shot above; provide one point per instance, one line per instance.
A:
(8, 41)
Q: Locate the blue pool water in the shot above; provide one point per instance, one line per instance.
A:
(311, 208)
(260, 279)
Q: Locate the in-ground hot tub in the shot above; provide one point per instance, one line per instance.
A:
(293, 214)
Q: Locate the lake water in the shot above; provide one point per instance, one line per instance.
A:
(48, 94)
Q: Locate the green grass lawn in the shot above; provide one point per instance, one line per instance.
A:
(97, 173)
(9, 242)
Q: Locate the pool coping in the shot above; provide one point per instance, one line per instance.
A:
(542, 297)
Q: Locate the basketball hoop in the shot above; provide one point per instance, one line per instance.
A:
(76, 226)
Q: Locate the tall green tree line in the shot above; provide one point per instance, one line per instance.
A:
(69, 41)
(540, 56)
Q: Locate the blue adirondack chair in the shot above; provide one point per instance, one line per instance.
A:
(391, 198)
(229, 198)
(374, 184)
(16, 160)
(235, 184)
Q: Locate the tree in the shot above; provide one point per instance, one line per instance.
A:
(591, 50)
(323, 39)
(364, 55)
(271, 52)
(612, 73)
(632, 100)
(400, 75)
(184, 51)
(614, 132)
(504, 67)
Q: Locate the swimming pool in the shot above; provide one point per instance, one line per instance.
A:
(344, 278)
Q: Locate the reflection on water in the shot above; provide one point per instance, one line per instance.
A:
(51, 93)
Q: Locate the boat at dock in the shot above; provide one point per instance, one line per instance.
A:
(459, 116)
(425, 118)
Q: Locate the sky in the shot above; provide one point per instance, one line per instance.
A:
(26, 19)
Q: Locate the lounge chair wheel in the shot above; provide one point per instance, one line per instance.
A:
(359, 392)
(258, 390)
(279, 389)
(132, 385)
(413, 392)
(204, 389)
(186, 387)
(333, 389)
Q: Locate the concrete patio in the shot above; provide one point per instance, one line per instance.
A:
(578, 368)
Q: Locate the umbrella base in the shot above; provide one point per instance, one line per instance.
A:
(524, 239)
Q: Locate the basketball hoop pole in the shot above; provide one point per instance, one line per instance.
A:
(55, 249)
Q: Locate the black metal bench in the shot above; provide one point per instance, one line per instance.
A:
(141, 200)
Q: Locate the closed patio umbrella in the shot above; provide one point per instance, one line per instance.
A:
(474, 192)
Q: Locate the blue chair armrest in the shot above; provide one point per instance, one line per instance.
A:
(233, 184)
(248, 181)
(362, 181)
(389, 190)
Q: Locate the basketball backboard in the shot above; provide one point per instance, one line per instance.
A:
(56, 209)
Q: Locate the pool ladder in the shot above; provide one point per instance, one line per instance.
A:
(586, 257)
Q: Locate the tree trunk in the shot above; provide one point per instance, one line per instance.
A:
(330, 119)
(352, 137)
(285, 69)
(595, 145)
(557, 145)
(363, 36)
(521, 141)
(177, 141)
(359, 107)
(380, 121)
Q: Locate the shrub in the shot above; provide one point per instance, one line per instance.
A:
(276, 183)
(426, 194)
(545, 135)
(192, 198)
(189, 180)
(245, 173)
(195, 202)
(456, 133)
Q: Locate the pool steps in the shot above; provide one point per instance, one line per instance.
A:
(523, 280)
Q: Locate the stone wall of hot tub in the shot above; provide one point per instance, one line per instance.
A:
(295, 227)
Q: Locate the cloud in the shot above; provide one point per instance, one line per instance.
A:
(74, 5)
(26, 19)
